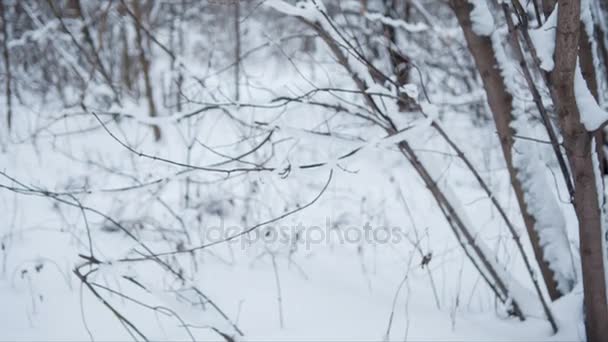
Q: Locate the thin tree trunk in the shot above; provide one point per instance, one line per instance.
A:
(548, 6)
(145, 65)
(7, 65)
(599, 30)
(500, 102)
(94, 51)
(180, 44)
(125, 59)
(95, 61)
(578, 143)
(237, 48)
(400, 63)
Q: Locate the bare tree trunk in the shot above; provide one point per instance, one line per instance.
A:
(599, 30)
(74, 10)
(180, 44)
(548, 6)
(94, 51)
(578, 143)
(145, 65)
(500, 102)
(400, 63)
(7, 65)
(125, 59)
(237, 48)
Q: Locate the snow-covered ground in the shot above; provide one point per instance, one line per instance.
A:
(339, 281)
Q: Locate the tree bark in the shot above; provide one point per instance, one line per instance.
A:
(97, 61)
(588, 71)
(500, 103)
(237, 49)
(548, 6)
(145, 65)
(578, 145)
(399, 62)
(7, 65)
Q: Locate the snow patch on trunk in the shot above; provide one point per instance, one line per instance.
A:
(592, 115)
(549, 224)
(541, 204)
(601, 199)
(543, 39)
(481, 17)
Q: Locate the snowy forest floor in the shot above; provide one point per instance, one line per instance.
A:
(360, 289)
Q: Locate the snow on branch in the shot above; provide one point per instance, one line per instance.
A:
(303, 9)
(481, 17)
(417, 27)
